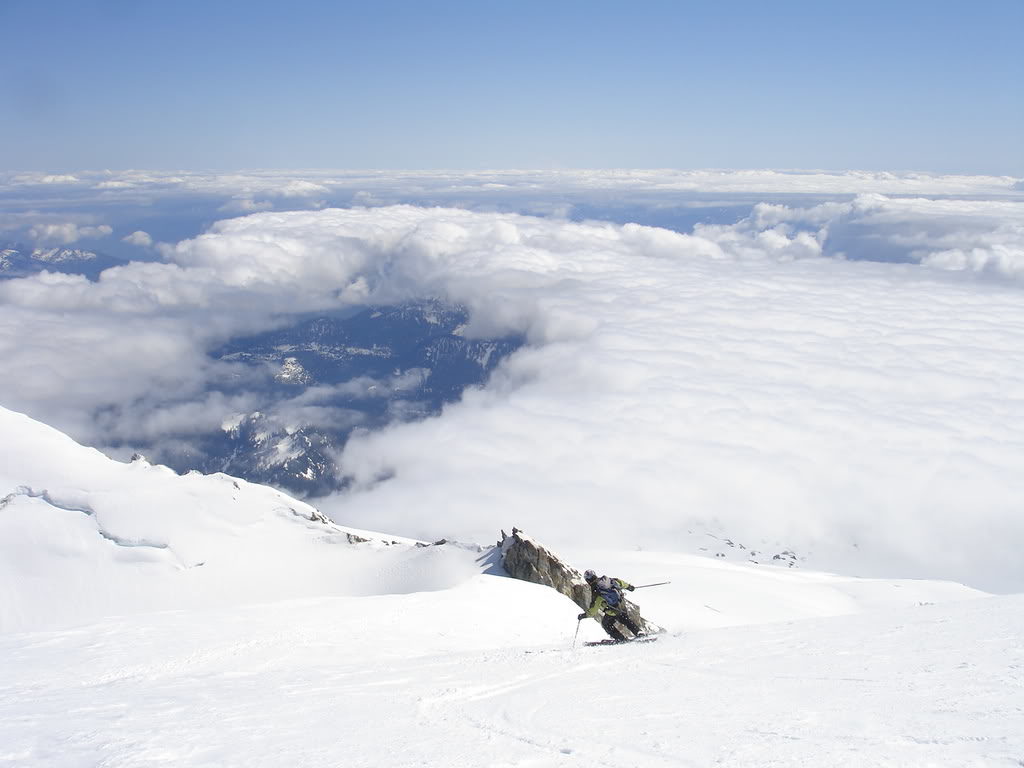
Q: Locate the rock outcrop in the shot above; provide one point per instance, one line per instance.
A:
(523, 558)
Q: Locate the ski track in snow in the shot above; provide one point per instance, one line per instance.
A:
(297, 683)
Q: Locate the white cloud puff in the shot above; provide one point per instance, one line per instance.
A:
(245, 205)
(139, 238)
(733, 378)
(301, 188)
(67, 232)
(116, 184)
(976, 235)
(58, 178)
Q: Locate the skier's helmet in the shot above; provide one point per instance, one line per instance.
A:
(589, 575)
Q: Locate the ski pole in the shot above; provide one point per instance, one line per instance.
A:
(642, 586)
(578, 622)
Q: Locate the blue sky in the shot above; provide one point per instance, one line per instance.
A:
(930, 86)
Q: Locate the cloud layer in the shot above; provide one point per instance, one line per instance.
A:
(318, 183)
(756, 379)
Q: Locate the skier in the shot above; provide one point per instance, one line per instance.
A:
(606, 597)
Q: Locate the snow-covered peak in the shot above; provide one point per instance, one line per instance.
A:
(292, 372)
(62, 255)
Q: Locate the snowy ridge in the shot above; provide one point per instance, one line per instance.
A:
(82, 536)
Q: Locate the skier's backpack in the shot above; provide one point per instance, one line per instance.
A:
(611, 595)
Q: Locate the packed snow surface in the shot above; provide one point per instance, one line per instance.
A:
(486, 675)
(151, 619)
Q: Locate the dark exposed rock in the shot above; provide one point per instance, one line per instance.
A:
(441, 543)
(785, 557)
(523, 558)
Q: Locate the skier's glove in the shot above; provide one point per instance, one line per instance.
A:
(630, 587)
(581, 617)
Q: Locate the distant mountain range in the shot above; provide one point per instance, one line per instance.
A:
(17, 260)
(359, 371)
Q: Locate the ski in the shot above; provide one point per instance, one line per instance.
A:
(610, 641)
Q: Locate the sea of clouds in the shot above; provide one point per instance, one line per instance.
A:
(838, 372)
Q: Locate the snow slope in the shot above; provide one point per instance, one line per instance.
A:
(82, 536)
(413, 680)
(151, 619)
